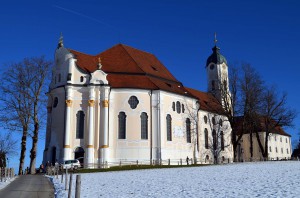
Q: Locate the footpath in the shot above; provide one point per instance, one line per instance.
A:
(31, 186)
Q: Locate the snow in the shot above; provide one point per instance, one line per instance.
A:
(6, 181)
(256, 179)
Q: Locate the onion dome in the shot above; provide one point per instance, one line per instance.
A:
(216, 57)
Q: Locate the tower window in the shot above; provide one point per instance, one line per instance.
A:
(169, 127)
(182, 107)
(173, 106)
(122, 125)
(215, 143)
(55, 102)
(79, 125)
(205, 119)
(144, 126)
(213, 85)
(81, 78)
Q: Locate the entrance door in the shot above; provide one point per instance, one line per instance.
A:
(79, 154)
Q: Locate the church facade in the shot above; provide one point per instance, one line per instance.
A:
(124, 105)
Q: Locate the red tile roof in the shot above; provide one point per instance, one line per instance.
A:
(128, 67)
(262, 128)
(207, 101)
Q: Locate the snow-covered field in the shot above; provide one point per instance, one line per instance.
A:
(256, 179)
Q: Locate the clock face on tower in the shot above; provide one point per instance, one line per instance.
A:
(212, 66)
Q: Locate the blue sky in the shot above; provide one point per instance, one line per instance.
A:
(180, 34)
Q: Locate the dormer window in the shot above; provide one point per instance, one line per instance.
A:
(154, 68)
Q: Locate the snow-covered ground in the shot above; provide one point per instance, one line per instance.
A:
(259, 179)
(6, 181)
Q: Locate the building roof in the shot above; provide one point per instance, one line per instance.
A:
(207, 101)
(262, 128)
(127, 67)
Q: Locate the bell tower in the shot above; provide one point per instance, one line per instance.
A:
(217, 74)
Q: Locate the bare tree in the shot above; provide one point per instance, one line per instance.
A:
(274, 114)
(40, 73)
(23, 104)
(252, 86)
(7, 147)
(216, 143)
(15, 112)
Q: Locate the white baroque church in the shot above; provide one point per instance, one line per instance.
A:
(124, 105)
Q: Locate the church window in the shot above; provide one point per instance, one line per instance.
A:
(286, 140)
(275, 138)
(222, 141)
(144, 126)
(282, 150)
(55, 102)
(173, 106)
(169, 127)
(280, 139)
(213, 85)
(270, 149)
(182, 108)
(188, 130)
(81, 78)
(287, 151)
(206, 138)
(221, 122)
(214, 135)
(205, 119)
(178, 107)
(213, 120)
(276, 150)
(79, 124)
(69, 77)
(212, 66)
(133, 102)
(59, 77)
(122, 125)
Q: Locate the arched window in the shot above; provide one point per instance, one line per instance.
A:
(214, 135)
(144, 126)
(79, 125)
(222, 141)
(188, 130)
(173, 106)
(169, 127)
(55, 102)
(178, 107)
(213, 120)
(81, 78)
(206, 138)
(122, 125)
(205, 119)
(182, 108)
(221, 122)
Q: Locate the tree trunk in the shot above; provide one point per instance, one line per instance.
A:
(23, 150)
(34, 141)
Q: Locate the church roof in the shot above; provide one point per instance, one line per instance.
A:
(207, 101)
(127, 67)
(216, 57)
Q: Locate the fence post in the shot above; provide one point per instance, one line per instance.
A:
(66, 181)
(70, 185)
(62, 176)
(78, 186)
